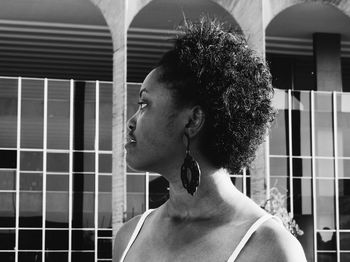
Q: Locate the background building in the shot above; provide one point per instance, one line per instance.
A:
(58, 198)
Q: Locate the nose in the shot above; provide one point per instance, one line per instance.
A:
(131, 124)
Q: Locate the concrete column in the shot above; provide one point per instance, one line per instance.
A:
(115, 15)
(327, 61)
(249, 16)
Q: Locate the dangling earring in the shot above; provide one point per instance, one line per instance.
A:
(190, 171)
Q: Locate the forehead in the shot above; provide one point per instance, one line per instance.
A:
(151, 86)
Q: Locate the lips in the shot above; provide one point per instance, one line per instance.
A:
(130, 139)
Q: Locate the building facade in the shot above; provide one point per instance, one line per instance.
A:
(64, 186)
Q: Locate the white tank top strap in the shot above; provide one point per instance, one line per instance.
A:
(247, 236)
(136, 232)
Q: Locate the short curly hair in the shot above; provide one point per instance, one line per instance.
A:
(212, 66)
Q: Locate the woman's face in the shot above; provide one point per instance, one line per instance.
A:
(155, 131)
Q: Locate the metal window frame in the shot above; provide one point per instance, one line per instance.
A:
(290, 152)
(44, 167)
(70, 190)
(336, 181)
(313, 168)
(97, 126)
(19, 117)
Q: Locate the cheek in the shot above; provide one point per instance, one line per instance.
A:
(160, 134)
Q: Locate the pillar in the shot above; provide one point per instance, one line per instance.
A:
(327, 61)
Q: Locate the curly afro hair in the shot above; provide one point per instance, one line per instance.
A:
(211, 66)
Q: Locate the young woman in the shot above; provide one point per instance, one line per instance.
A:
(202, 113)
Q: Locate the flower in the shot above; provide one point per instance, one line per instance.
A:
(275, 206)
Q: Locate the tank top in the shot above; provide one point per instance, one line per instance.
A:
(234, 254)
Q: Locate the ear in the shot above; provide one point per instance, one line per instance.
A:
(195, 121)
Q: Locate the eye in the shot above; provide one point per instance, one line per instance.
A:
(142, 105)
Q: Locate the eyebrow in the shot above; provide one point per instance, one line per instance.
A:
(143, 91)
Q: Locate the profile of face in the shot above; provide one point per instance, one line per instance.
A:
(156, 130)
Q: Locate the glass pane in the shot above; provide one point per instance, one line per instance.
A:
(345, 241)
(326, 240)
(248, 187)
(158, 191)
(344, 203)
(56, 256)
(104, 183)
(7, 180)
(105, 163)
(84, 115)
(104, 233)
(344, 168)
(29, 256)
(306, 224)
(56, 240)
(279, 166)
(7, 239)
(58, 114)
(325, 206)
(279, 143)
(32, 113)
(83, 239)
(83, 256)
(83, 210)
(104, 248)
(7, 256)
(301, 124)
(30, 240)
(8, 159)
(136, 195)
(105, 210)
(32, 161)
(282, 184)
(343, 120)
(326, 257)
(31, 182)
(324, 167)
(279, 131)
(57, 209)
(57, 183)
(344, 257)
(30, 209)
(105, 128)
(302, 196)
(84, 183)
(83, 162)
(57, 162)
(238, 182)
(7, 209)
(323, 124)
(302, 167)
(8, 112)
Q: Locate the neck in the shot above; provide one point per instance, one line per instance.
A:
(215, 195)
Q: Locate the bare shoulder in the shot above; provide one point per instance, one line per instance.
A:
(123, 236)
(272, 242)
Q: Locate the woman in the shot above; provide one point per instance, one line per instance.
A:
(202, 113)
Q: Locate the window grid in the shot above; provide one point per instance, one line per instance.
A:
(20, 251)
(333, 178)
